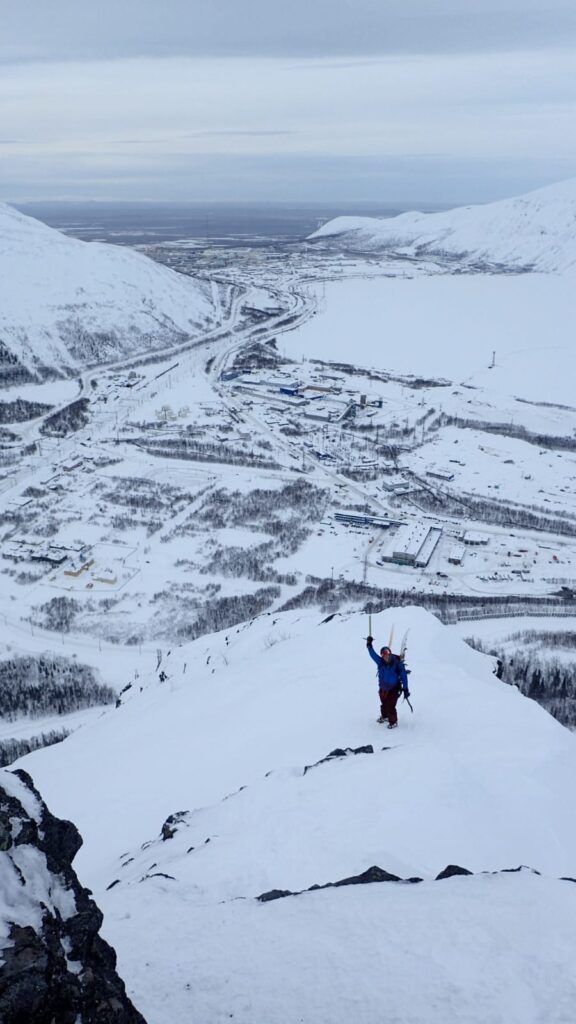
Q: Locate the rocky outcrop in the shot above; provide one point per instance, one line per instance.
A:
(54, 967)
(376, 874)
(339, 753)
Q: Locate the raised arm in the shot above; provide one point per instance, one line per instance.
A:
(375, 657)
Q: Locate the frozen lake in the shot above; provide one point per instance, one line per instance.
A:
(448, 326)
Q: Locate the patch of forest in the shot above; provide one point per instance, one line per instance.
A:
(554, 442)
(497, 513)
(66, 421)
(20, 410)
(547, 680)
(331, 595)
(41, 686)
(12, 749)
(197, 451)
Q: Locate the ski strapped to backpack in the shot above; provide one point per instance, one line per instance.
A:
(399, 658)
(402, 657)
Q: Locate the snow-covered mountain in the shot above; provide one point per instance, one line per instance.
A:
(67, 304)
(211, 786)
(536, 230)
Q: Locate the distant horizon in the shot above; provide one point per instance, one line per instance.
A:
(138, 222)
(414, 201)
(237, 203)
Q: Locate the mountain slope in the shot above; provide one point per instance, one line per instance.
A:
(193, 800)
(67, 304)
(536, 230)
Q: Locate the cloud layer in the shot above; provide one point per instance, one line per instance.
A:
(452, 101)
(63, 29)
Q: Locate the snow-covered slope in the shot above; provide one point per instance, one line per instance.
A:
(66, 304)
(224, 745)
(535, 230)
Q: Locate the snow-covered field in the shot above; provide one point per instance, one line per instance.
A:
(448, 326)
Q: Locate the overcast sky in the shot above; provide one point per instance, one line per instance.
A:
(388, 100)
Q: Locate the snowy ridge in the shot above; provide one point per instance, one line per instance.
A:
(536, 230)
(193, 799)
(67, 304)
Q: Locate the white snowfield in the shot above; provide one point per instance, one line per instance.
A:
(478, 776)
(507, 333)
(536, 230)
(66, 303)
(447, 325)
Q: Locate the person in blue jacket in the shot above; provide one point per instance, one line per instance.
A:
(392, 681)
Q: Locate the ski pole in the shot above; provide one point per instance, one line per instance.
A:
(408, 703)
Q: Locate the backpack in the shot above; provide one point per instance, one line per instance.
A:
(397, 663)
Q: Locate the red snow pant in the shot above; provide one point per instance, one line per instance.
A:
(388, 701)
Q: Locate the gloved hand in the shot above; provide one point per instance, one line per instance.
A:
(406, 694)
(369, 641)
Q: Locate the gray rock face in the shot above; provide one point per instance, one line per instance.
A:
(56, 968)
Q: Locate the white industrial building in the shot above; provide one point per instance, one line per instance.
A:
(413, 544)
(408, 541)
(321, 414)
(428, 547)
(397, 486)
(473, 538)
(456, 554)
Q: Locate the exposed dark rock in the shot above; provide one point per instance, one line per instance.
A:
(157, 874)
(451, 870)
(56, 968)
(341, 752)
(275, 894)
(373, 874)
(521, 867)
(376, 874)
(170, 826)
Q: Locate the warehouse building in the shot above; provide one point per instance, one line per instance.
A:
(473, 538)
(413, 544)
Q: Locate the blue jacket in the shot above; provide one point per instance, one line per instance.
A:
(392, 675)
